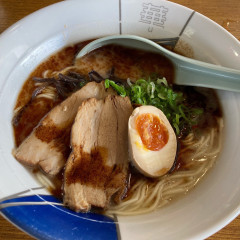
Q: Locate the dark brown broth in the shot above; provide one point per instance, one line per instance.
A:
(127, 63)
(35, 109)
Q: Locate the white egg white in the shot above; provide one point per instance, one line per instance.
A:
(148, 162)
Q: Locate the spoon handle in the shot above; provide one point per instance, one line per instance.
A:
(196, 73)
(187, 71)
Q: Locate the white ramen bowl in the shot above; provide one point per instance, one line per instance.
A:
(23, 201)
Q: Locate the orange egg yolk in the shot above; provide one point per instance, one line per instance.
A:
(153, 132)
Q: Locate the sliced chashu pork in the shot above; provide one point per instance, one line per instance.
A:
(48, 144)
(98, 164)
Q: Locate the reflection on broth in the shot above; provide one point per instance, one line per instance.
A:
(69, 125)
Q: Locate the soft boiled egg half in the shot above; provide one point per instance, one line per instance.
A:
(152, 141)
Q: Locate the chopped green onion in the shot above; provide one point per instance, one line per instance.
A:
(119, 89)
(159, 94)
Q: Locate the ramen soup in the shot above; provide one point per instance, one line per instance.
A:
(111, 131)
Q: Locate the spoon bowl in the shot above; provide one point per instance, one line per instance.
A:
(188, 71)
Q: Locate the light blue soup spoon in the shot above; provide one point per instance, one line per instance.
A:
(187, 71)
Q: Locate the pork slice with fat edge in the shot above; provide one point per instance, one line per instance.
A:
(97, 167)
